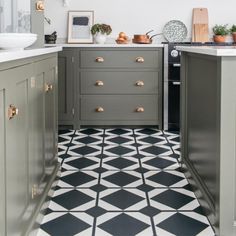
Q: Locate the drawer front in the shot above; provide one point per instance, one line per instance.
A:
(119, 107)
(120, 59)
(100, 82)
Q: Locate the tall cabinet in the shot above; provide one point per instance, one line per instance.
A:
(28, 121)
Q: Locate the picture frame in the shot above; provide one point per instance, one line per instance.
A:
(79, 26)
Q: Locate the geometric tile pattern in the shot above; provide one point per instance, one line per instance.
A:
(122, 182)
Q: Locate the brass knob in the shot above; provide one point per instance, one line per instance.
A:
(40, 6)
(140, 83)
(48, 87)
(12, 112)
(99, 109)
(139, 109)
(99, 83)
(99, 59)
(139, 59)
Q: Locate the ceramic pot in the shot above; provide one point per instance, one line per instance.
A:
(234, 36)
(219, 38)
(100, 38)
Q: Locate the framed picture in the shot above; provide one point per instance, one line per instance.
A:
(79, 25)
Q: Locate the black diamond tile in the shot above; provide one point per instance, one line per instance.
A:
(90, 131)
(121, 178)
(150, 211)
(120, 163)
(88, 140)
(155, 150)
(119, 150)
(77, 178)
(81, 163)
(141, 170)
(165, 178)
(138, 155)
(181, 225)
(98, 188)
(173, 199)
(69, 145)
(199, 210)
(159, 163)
(152, 140)
(148, 131)
(119, 131)
(72, 199)
(85, 150)
(48, 211)
(122, 199)
(123, 225)
(64, 156)
(100, 170)
(119, 140)
(64, 132)
(65, 225)
(62, 139)
(145, 188)
(96, 211)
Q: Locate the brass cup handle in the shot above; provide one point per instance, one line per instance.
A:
(139, 109)
(139, 83)
(99, 59)
(99, 109)
(12, 112)
(99, 83)
(48, 87)
(139, 60)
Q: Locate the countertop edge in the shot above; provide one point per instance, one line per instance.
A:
(6, 56)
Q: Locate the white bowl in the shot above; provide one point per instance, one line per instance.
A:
(16, 41)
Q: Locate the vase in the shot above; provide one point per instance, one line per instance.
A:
(234, 36)
(100, 38)
(219, 38)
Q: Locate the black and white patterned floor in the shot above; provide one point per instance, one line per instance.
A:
(122, 182)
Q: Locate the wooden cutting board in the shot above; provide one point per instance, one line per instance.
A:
(200, 26)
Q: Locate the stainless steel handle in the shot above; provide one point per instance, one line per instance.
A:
(177, 65)
(176, 83)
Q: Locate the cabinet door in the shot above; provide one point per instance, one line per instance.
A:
(66, 74)
(18, 194)
(50, 120)
(2, 161)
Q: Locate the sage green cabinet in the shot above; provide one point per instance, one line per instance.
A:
(24, 144)
(66, 85)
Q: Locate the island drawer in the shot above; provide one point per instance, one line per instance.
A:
(120, 59)
(119, 107)
(119, 82)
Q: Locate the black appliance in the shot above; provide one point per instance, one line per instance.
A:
(171, 112)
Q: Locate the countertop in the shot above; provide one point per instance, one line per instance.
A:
(6, 56)
(220, 51)
(108, 45)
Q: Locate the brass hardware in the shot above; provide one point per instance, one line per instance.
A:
(99, 109)
(99, 59)
(99, 83)
(34, 191)
(140, 83)
(40, 6)
(12, 112)
(48, 87)
(139, 59)
(139, 109)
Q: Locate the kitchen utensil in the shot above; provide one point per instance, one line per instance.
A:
(200, 28)
(144, 38)
(175, 31)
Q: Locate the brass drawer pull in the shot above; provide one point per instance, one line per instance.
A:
(99, 59)
(99, 109)
(48, 87)
(99, 83)
(139, 83)
(139, 59)
(12, 112)
(139, 109)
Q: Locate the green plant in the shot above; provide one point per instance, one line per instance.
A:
(233, 29)
(221, 30)
(102, 28)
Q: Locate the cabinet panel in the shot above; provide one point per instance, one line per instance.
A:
(117, 107)
(2, 162)
(119, 82)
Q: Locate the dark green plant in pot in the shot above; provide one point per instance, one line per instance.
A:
(101, 28)
(233, 32)
(221, 30)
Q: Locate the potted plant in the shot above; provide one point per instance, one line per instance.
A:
(233, 32)
(220, 33)
(100, 32)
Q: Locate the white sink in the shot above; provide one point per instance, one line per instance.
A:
(16, 41)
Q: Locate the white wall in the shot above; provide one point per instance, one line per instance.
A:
(138, 16)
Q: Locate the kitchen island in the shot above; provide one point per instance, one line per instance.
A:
(28, 135)
(208, 130)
